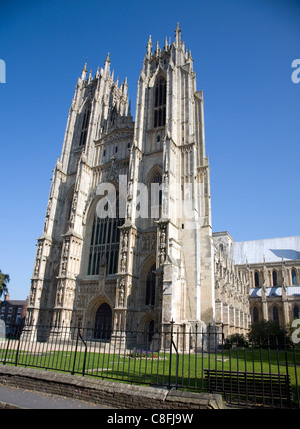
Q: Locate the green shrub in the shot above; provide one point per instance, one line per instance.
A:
(235, 340)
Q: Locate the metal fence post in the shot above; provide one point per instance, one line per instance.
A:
(5, 357)
(18, 333)
(171, 345)
(75, 355)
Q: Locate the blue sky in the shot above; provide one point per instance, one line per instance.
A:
(242, 51)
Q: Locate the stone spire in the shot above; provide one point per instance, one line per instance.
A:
(107, 64)
(149, 47)
(84, 72)
(178, 35)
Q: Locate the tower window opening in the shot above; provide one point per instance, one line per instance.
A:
(160, 103)
(85, 126)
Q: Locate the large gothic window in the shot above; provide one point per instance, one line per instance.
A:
(150, 286)
(160, 97)
(104, 245)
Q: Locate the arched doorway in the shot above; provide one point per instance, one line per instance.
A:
(103, 322)
(150, 331)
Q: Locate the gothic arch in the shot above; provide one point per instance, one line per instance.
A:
(160, 102)
(154, 82)
(156, 169)
(274, 277)
(102, 238)
(148, 262)
(85, 116)
(276, 313)
(294, 276)
(92, 308)
(146, 267)
(296, 312)
(255, 314)
(103, 322)
(148, 326)
(256, 279)
(146, 319)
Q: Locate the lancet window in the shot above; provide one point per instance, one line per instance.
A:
(150, 286)
(85, 126)
(294, 277)
(160, 97)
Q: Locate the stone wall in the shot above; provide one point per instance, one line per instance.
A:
(110, 393)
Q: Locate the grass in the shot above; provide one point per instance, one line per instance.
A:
(162, 369)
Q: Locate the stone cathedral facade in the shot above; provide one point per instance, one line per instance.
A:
(127, 239)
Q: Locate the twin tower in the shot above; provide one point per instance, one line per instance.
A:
(127, 239)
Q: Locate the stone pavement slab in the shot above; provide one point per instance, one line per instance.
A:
(15, 397)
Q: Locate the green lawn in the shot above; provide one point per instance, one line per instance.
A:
(186, 371)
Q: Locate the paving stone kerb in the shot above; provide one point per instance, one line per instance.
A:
(106, 392)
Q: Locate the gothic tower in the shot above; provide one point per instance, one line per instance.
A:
(127, 240)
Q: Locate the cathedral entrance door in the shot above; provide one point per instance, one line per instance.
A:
(103, 322)
(150, 331)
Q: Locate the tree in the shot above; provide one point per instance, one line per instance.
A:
(267, 333)
(4, 279)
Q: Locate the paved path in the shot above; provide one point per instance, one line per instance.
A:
(24, 398)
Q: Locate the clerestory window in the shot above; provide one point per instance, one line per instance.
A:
(294, 277)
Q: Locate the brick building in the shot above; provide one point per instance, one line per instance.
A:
(13, 312)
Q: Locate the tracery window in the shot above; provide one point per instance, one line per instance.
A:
(160, 103)
(105, 239)
(274, 275)
(85, 126)
(294, 277)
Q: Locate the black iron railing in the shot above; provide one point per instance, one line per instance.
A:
(252, 374)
